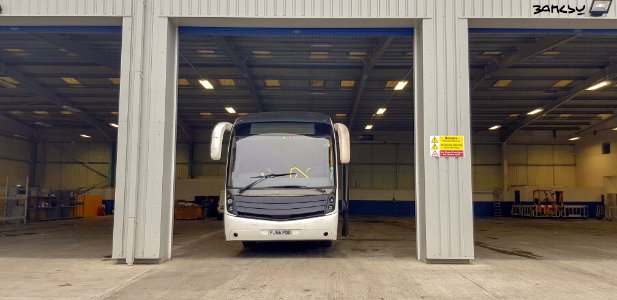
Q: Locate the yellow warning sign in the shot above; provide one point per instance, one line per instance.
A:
(452, 142)
(447, 146)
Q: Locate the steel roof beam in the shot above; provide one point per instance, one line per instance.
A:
(23, 129)
(607, 72)
(62, 42)
(381, 48)
(41, 91)
(230, 52)
(98, 57)
(595, 125)
(523, 53)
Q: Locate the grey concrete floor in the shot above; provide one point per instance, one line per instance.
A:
(516, 258)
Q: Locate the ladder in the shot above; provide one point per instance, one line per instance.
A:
(497, 209)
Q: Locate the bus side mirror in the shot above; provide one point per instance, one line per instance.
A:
(343, 142)
(216, 144)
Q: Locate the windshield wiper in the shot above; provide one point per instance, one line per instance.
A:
(323, 191)
(262, 178)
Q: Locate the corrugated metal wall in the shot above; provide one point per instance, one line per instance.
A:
(66, 7)
(297, 8)
(293, 8)
(544, 165)
(63, 169)
(523, 9)
(14, 160)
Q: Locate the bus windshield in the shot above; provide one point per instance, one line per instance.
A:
(307, 156)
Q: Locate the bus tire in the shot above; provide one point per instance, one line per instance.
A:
(325, 244)
(249, 244)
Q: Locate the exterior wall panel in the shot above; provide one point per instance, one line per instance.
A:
(106, 8)
(295, 8)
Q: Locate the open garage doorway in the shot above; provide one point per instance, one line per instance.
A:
(58, 127)
(358, 77)
(543, 117)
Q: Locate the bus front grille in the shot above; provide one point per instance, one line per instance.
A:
(281, 208)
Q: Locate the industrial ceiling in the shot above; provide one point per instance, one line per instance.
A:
(64, 81)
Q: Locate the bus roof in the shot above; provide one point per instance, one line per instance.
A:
(284, 116)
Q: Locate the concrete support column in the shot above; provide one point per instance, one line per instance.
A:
(443, 185)
(146, 137)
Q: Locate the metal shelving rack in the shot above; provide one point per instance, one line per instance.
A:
(9, 203)
(57, 205)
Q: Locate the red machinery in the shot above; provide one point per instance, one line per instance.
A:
(548, 203)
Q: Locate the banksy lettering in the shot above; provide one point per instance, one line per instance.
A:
(559, 9)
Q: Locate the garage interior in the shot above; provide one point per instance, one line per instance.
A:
(59, 103)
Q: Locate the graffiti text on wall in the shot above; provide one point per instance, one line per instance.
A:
(559, 9)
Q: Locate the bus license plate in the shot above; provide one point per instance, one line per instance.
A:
(280, 232)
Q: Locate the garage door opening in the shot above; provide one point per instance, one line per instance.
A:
(543, 106)
(58, 127)
(358, 77)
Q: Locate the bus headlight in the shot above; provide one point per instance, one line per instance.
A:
(330, 205)
(230, 205)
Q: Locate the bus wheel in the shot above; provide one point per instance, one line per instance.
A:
(249, 244)
(325, 244)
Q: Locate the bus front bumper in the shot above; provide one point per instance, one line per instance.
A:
(310, 229)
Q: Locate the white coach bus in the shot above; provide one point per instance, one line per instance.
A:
(283, 173)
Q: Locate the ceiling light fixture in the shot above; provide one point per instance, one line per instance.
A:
(347, 84)
(369, 127)
(114, 125)
(272, 82)
(502, 83)
(206, 84)
(230, 110)
(71, 80)
(495, 127)
(318, 54)
(85, 136)
(262, 52)
(66, 112)
(341, 115)
(317, 83)
(70, 108)
(41, 112)
(562, 83)
(615, 128)
(227, 82)
(42, 124)
(576, 138)
(598, 85)
(381, 110)
(491, 53)
(8, 82)
(321, 45)
(535, 111)
(400, 85)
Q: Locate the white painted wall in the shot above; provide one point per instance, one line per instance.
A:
(591, 165)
